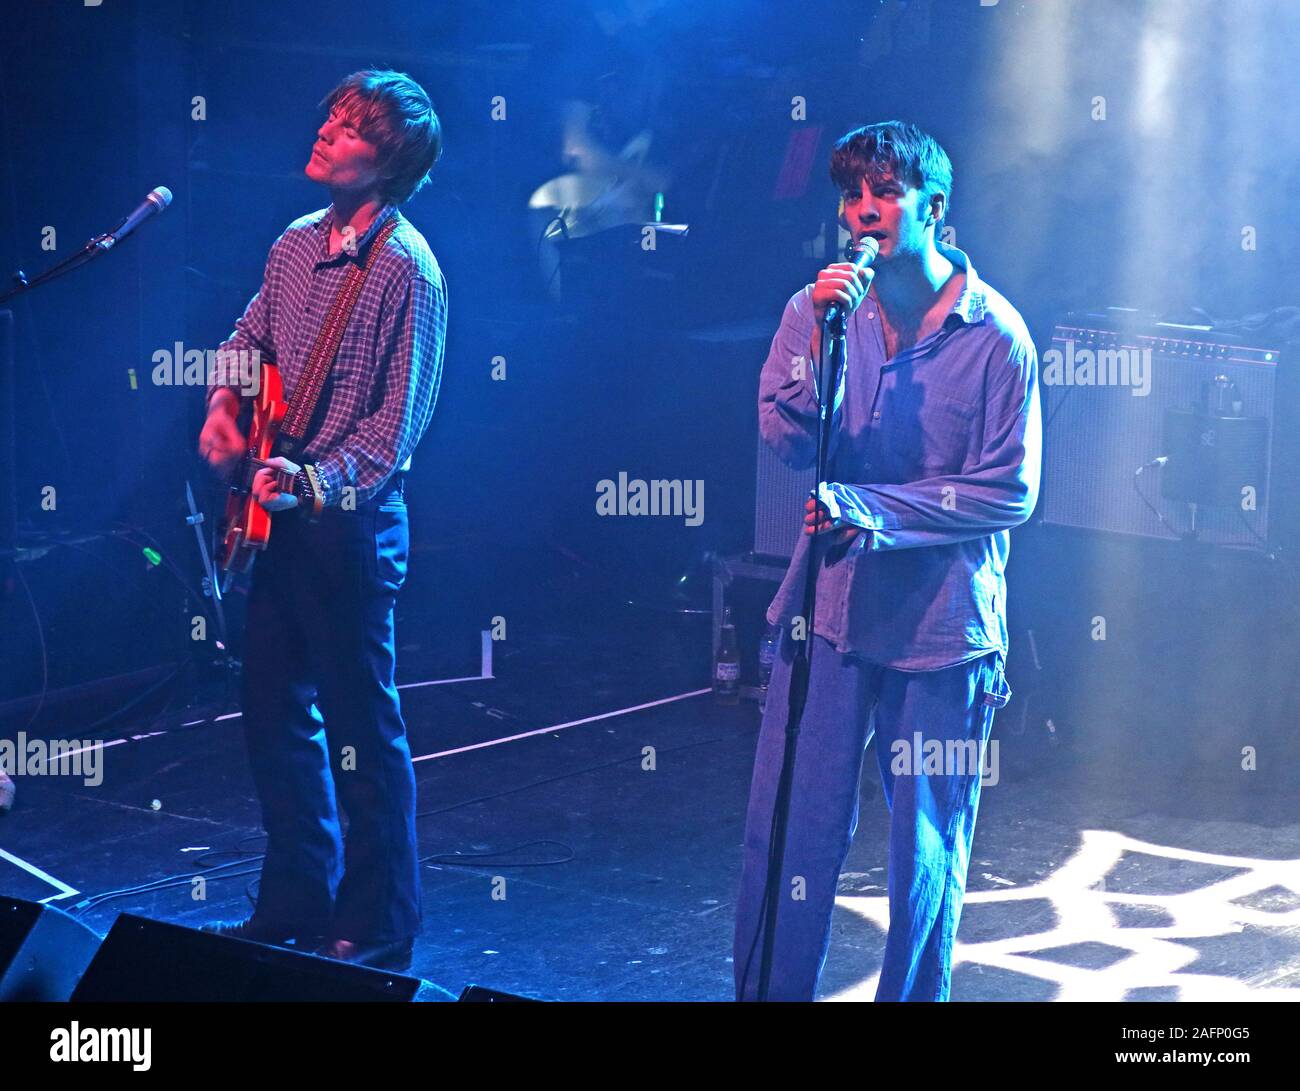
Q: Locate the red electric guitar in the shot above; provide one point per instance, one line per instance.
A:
(246, 526)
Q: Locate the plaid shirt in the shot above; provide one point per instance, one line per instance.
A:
(936, 453)
(379, 397)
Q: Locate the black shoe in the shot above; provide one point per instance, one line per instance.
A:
(258, 931)
(384, 955)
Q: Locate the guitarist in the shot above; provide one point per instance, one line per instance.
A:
(319, 649)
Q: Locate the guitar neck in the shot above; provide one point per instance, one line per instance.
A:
(284, 481)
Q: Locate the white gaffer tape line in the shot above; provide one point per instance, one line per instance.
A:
(103, 745)
(32, 869)
(485, 674)
(445, 681)
(562, 727)
(407, 685)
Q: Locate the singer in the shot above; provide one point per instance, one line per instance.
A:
(319, 651)
(934, 456)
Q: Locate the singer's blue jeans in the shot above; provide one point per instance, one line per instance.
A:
(932, 815)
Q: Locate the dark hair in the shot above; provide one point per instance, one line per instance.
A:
(394, 113)
(899, 148)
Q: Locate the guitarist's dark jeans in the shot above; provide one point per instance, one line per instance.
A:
(320, 644)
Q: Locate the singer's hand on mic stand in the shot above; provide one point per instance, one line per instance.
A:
(843, 283)
(818, 519)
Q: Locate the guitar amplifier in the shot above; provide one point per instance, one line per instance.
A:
(779, 498)
(1191, 408)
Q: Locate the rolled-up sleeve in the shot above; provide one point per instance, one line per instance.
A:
(998, 491)
(411, 341)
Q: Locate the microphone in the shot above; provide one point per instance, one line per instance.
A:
(863, 256)
(157, 200)
(1162, 461)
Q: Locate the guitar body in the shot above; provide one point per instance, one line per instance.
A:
(246, 527)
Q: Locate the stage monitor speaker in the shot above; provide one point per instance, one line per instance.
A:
(43, 951)
(143, 960)
(1118, 394)
(477, 994)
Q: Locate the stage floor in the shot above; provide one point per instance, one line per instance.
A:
(619, 881)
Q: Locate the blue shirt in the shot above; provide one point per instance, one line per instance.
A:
(936, 452)
(380, 394)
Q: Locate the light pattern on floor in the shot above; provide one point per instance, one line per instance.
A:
(1087, 913)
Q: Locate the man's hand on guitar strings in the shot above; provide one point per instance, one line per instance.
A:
(266, 485)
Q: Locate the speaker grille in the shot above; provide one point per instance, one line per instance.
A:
(778, 507)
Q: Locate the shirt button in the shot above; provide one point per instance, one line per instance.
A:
(876, 415)
(871, 314)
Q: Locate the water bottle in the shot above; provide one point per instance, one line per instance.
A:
(726, 667)
(767, 652)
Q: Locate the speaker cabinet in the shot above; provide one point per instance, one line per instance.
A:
(780, 495)
(151, 961)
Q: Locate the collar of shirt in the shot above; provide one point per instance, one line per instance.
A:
(969, 309)
(972, 304)
(326, 223)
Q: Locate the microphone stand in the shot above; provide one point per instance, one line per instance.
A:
(19, 284)
(833, 327)
(155, 201)
(100, 244)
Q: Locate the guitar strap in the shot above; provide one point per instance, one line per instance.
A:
(321, 358)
